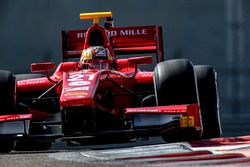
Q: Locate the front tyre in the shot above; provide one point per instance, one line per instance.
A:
(7, 92)
(7, 104)
(175, 84)
(209, 100)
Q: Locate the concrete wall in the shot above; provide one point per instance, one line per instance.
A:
(195, 29)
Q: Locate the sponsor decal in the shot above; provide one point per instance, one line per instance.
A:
(78, 84)
(81, 35)
(80, 79)
(121, 32)
(158, 109)
(133, 32)
(32, 82)
(187, 121)
(145, 74)
(100, 52)
(15, 117)
(69, 89)
(76, 93)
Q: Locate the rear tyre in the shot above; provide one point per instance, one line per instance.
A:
(7, 145)
(209, 100)
(175, 83)
(7, 92)
(33, 145)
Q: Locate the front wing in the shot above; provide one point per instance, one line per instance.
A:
(15, 125)
(142, 121)
(188, 115)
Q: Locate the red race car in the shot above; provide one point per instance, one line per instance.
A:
(98, 95)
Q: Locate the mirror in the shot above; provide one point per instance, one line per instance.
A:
(42, 67)
(140, 60)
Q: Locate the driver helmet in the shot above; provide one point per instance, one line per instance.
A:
(96, 57)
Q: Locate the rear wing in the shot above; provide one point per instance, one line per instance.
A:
(125, 41)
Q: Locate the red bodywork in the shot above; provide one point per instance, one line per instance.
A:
(113, 92)
(79, 86)
(15, 117)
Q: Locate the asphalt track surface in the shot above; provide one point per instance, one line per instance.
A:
(232, 151)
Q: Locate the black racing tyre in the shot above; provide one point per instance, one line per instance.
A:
(6, 145)
(33, 145)
(7, 104)
(20, 77)
(209, 100)
(175, 83)
(7, 92)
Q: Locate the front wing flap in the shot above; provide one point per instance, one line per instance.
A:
(187, 115)
(15, 125)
